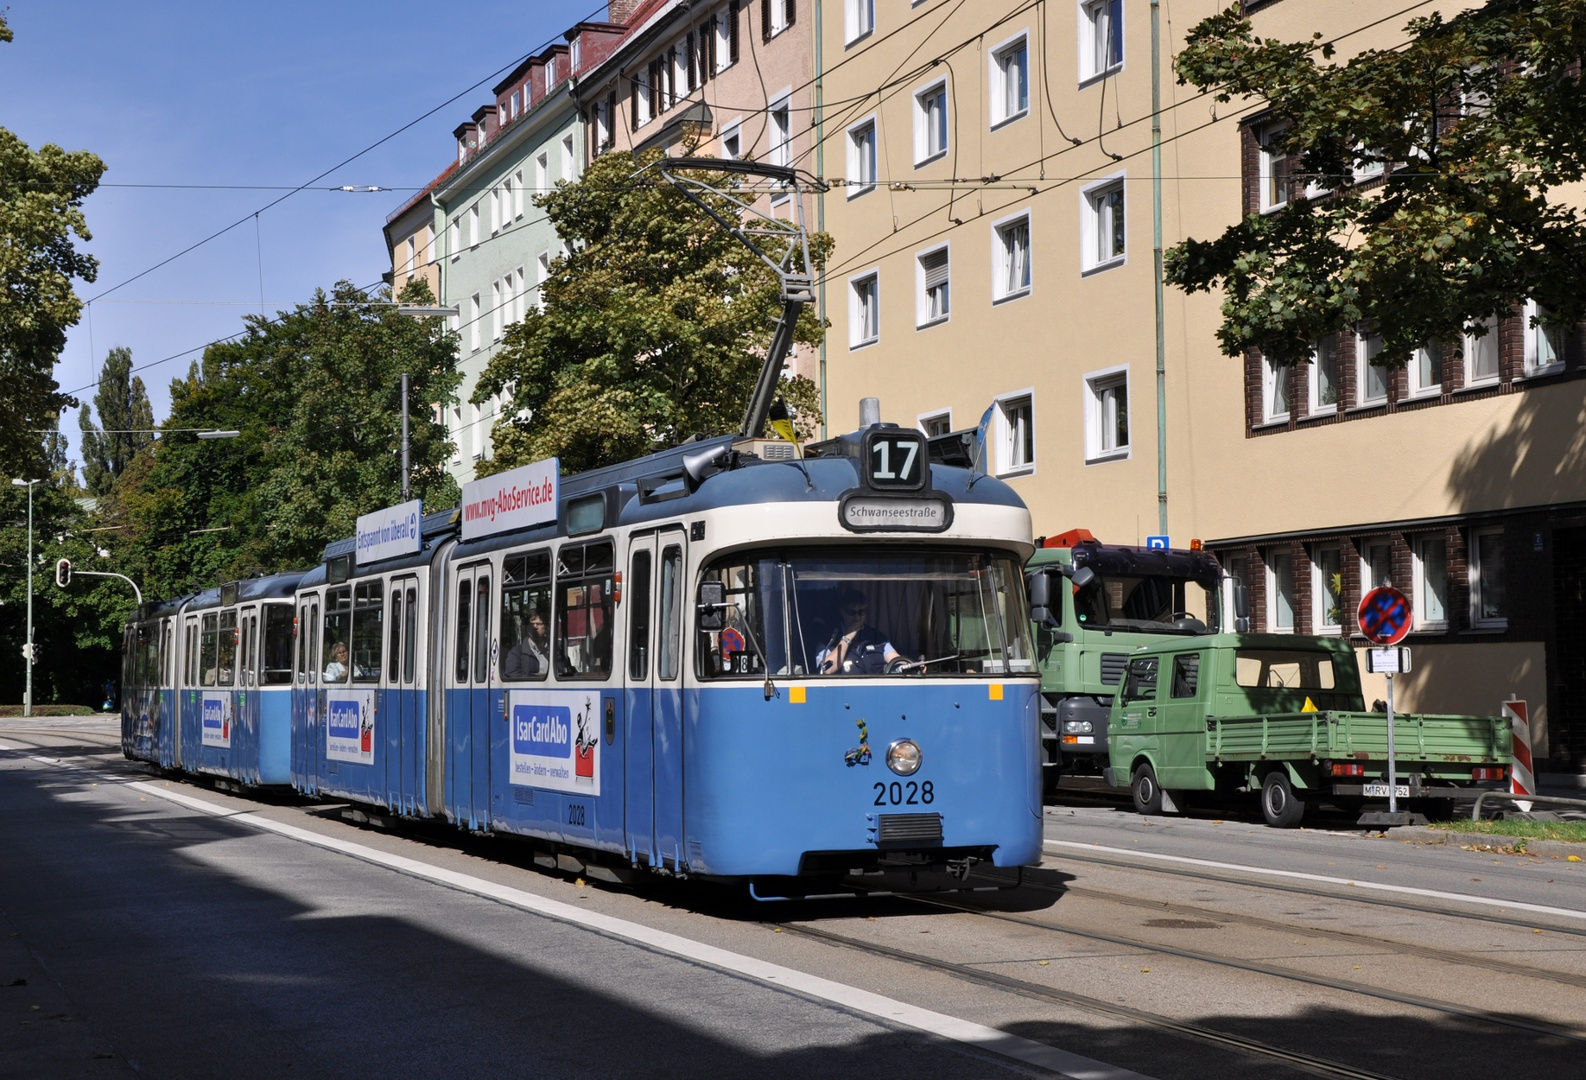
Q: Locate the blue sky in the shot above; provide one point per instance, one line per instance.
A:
(245, 94)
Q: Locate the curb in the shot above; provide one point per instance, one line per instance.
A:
(1420, 834)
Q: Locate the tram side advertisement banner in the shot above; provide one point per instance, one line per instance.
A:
(349, 726)
(516, 499)
(218, 717)
(555, 740)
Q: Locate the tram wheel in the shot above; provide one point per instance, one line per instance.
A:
(1279, 805)
(1147, 792)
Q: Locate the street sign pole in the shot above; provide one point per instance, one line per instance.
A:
(1384, 617)
(1393, 757)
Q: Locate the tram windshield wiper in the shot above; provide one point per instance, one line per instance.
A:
(770, 687)
(919, 666)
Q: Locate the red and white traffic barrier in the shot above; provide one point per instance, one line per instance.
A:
(1521, 781)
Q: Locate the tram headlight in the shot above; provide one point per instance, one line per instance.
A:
(903, 757)
(1078, 727)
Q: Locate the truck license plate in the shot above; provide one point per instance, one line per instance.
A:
(1381, 790)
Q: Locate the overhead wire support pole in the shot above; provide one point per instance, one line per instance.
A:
(793, 269)
(1156, 254)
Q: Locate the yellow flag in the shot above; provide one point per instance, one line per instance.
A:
(781, 420)
(1310, 706)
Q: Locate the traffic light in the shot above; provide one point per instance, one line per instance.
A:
(63, 572)
(30, 652)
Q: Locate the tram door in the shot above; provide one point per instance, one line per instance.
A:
(187, 707)
(468, 702)
(653, 757)
(307, 761)
(248, 712)
(403, 736)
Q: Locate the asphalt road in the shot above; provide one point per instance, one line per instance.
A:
(152, 926)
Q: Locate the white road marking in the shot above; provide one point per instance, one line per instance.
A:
(1508, 905)
(1040, 1055)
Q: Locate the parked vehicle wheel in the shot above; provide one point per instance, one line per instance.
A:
(1147, 794)
(1279, 805)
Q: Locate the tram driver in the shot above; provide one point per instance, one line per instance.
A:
(336, 668)
(855, 648)
(527, 658)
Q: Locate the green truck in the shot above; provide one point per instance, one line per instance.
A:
(1093, 604)
(1283, 715)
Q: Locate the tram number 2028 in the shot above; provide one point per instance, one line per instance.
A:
(575, 813)
(904, 794)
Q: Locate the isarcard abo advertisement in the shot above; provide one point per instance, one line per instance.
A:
(349, 726)
(555, 740)
(218, 716)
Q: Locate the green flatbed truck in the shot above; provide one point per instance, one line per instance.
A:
(1283, 716)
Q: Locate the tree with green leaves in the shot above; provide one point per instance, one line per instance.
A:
(126, 423)
(653, 326)
(316, 395)
(1440, 173)
(41, 197)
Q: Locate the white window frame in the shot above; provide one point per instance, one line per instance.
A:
(1418, 597)
(569, 159)
(1363, 366)
(602, 125)
(1319, 623)
(542, 273)
(542, 172)
(1314, 405)
(641, 83)
(1415, 385)
(495, 210)
(457, 238)
(1487, 344)
(431, 252)
(859, 20)
(473, 226)
(473, 322)
(1006, 429)
(862, 157)
(923, 420)
(1001, 258)
(925, 132)
(999, 69)
(1096, 218)
(923, 299)
(1274, 378)
(1535, 338)
(413, 255)
(575, 54)
(723, 41)
(732, 130)
(1473, 561)
(496, 303)
(507, 192)
(1267, 169)
(1269, 558)
(779, 21)
(519, 294)
(550, 71)
(857, 336)
(1098, 423)
(1364, 546)
(1090, 27)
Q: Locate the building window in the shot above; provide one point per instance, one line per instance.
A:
(859, 19)
(431, 252)
(1376, 564)
(1425, 371)
(930, 123)
(726, 38)
(1544, 341)
(933, 301)
(1102, 227)
(413, 255)
(1431, 582)
(1276, 169)
(517, 194)
(473, 225)
(862, 157)
(542, 273)
(1015, 434)
(457, 238)
(473, 322)
(1327, 588)
(518, 309)
(575, 54)
(778, 15)
(643, 110)
(934, 424)
(508, 193)
(569, 160)
(1010, 81)
(1280, 592)
(781, 150)
(1371, 378)
(1488, 602)
(1011, 254)
(542, 172)
(1322, 378)
(495, 211)
(1101, 37)
(1107, 415)
(602, 124)
(732, 141)
(1274, 392)
(1481, 355)
(864, 313)
(497, 303)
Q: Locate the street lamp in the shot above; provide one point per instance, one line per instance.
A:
(28, 649)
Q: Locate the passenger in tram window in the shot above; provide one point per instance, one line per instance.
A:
(336, 670)
(855, 648)
(527, 658)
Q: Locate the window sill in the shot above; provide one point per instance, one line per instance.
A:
(1432, 628)
(938, 321)
(1274, 208)
(863, 344)
(1268, 425)
(1471, 387)
(1102, 267)
(1368, 406)
(857, 38)
(997, 125)
(1020, 295)
(1011, 474)
(1541, 372)
(1430, 394)
(1321, 412)
(1490, 626)
(1110, 455)
(937, 155)
(854, 190)
(1092, 80)
(1328, 631)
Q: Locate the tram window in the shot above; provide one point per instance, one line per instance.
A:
(313, 641)
(525, 616)
(192, 652)
(206, 655)
(368, 630)
(584, 576)
(335, 660)
(1140, 683)
(482, 629)
(464, 608)
(165, 654)
(410, 635)
(639, 617)
(671, 615)
(226, 664)
(276, 661)
(303, 661)
(396, 636)
(748, 590)
(245, 654)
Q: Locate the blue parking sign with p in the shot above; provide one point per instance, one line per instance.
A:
(1157, 542)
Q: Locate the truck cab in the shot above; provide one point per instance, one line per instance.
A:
(1093, 604)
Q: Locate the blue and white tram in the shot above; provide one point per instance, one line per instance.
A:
(211, 681)
(647, 680)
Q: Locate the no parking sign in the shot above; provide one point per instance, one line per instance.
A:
(1384, 615)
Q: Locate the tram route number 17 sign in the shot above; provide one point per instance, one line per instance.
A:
(1384, 615)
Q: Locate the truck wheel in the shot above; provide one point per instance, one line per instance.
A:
(1147, 794)
(1279, 805)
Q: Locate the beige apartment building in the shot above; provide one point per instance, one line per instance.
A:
(992, 207)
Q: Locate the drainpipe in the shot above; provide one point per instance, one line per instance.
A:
(820, 198)
(1156, 235)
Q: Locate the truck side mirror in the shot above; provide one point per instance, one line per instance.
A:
(1081, 576)
(1039, 588)
(1241, 608)
(712, 606)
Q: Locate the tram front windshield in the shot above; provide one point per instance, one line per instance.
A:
(905, 613)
